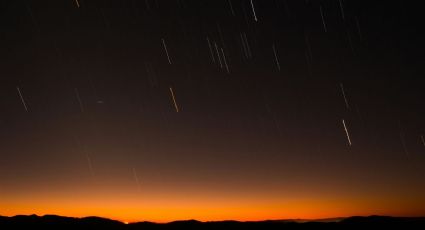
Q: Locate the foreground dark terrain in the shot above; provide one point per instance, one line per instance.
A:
(58, 222)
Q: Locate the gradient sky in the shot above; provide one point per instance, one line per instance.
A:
(88, 125)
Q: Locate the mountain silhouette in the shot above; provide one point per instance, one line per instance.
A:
(60, 222)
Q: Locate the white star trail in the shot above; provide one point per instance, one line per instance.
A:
(346, 132)
(231, 7)
(166, 51)
(309, 52)
(323, 19)
(225, 62)
(211, 51)
(218, 54)
(22, 99)
(343, 94)
(276, 58)
(87, 155)
(247, 45)
(174, 100)
(244, 47)
(136, 178)
(253, 11)
(342, 9)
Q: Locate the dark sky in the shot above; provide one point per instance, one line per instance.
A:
(283, 108)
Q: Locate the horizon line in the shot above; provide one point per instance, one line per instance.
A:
(296, 220)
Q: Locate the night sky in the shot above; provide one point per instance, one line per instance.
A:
(222, 109)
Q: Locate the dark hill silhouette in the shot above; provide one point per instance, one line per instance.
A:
(60, 222)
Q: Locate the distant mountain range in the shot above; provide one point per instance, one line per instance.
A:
(60, 222)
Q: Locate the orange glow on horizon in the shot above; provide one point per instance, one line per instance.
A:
(158, 201)
(128, 210)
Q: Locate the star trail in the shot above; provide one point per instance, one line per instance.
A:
(212, 110)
